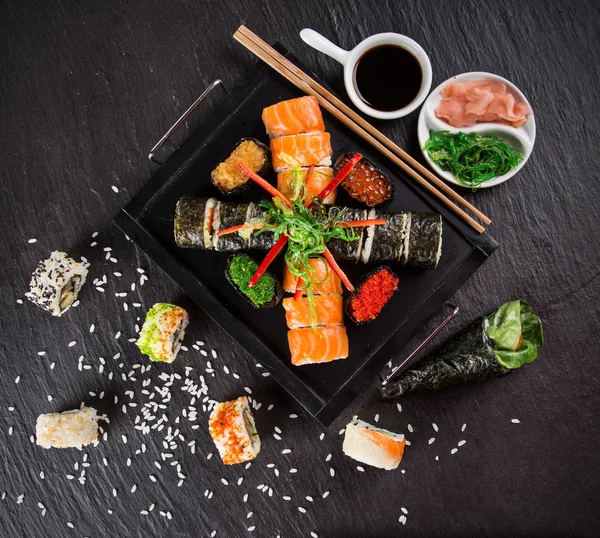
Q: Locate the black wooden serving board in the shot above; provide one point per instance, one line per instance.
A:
(324, 390)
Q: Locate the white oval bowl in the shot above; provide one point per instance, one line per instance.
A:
(521, 138)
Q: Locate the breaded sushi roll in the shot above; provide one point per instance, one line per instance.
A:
(373, 446)
(231, 426)
(162, 332)
(72, 429)
(56, 283)
(229, 178)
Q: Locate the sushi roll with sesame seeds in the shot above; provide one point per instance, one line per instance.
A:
(72, 429)
(231, 426)
(56, 283)
(162, 332)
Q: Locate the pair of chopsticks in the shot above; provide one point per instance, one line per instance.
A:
(364, 129)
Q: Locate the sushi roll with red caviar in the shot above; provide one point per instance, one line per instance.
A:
(371, 295)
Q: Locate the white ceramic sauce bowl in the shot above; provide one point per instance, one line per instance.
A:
(521, 138)
(349, 59)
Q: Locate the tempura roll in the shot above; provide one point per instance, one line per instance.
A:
(231, 426)
(163, 332)
(56, 283)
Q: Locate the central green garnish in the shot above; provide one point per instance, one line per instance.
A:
(308, 229)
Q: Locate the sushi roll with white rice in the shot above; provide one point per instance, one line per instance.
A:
(56, 283)
(72, 429)
(231, 426)
(373, 446)
(163, 331)
(193, 222)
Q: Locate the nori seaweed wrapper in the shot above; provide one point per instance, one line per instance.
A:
(277, 292)
(245, 188)
(388, 238)
(189, 222)
(230, 214)
(347, 250)
(264, 240)
(424, 245)
(467, 357)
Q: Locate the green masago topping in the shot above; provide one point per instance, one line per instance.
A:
(240, 269)
(516, 333)
(162, 320)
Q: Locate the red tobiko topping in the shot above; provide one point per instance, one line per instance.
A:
(372, 295)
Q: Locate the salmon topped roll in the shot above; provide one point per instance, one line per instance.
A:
(293, 181)
(301, 115)
(323, 280)
(306, 149)
(313, 346)
(373, 446)
(328, 309)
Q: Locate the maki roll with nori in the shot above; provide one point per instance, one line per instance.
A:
(193, 222)
(365, 182)
(228, 215)
(371, 295)
(228, 177)
(265, 293)
(385, 242)
(259, 239)
(487, 349)
(347, 250)
(424, 241)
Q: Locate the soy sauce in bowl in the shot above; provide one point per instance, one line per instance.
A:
(388, 77)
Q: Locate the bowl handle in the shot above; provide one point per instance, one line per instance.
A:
(322, 44)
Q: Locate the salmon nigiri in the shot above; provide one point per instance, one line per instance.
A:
(294, 178)
(306, 149)
(295, 116)
(324, 281)
(323, 344)
(328, 309)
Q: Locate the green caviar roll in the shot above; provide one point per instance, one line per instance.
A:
(424, 242)
(228, 177)
(163, 331)
(193, 222)
(266, 293)
(348, 250)
(228, 215)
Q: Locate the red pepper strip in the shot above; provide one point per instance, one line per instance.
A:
(520, 342)
(340, 176)
(237, 228)
(336, 269)
(264, 184)
(358, 223)
(298, 292)
(268, 259)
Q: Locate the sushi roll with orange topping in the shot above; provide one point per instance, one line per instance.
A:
(231, 426)
(305, 149)
(162, 332)
(313, 346)
(373, 446)
(294, 116)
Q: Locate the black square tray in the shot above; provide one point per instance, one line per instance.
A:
(324, 390)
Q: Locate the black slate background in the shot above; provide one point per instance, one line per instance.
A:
(88, 87)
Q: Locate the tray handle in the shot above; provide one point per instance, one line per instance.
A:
(423, 344)
(183, 117)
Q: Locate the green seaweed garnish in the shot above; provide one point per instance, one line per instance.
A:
(240, 270)
(473, 158)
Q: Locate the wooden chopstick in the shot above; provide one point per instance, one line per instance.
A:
(333, 105)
